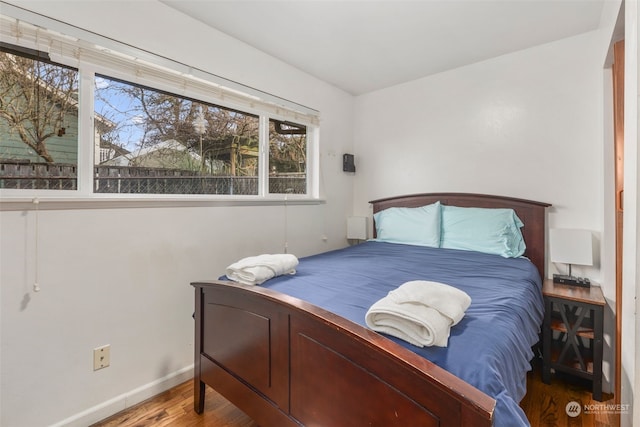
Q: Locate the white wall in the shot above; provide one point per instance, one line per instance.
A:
(527, 124)
(524, 125)
(121, 276)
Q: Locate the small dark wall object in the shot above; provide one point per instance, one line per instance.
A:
(347, 163)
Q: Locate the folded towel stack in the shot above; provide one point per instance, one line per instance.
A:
(419, 312)
(256, 270)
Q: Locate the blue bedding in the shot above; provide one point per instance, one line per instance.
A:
(490, 348)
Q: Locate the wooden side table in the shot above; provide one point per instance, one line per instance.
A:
(573, 332)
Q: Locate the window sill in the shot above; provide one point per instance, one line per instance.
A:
(22, 203)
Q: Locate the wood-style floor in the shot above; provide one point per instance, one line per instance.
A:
(544, 405)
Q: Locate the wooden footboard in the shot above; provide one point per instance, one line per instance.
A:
(288, 363)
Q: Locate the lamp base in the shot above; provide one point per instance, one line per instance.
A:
(571, 280)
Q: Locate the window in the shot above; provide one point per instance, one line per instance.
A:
(287, 157)
(160, 143)
(157, 127)
(38, 123)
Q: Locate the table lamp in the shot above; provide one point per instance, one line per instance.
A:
(569, 246)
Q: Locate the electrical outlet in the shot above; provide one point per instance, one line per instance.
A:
(101, 357)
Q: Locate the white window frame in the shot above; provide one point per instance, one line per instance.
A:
(104, 56)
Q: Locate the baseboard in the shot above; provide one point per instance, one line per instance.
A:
(127, 400)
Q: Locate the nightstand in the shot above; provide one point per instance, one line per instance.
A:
(573, 333)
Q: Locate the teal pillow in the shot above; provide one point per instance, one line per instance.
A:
(413, 226)
(492, 231)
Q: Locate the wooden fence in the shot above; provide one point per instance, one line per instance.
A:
(138, 180)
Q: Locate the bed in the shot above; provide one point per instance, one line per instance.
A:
(289, 358)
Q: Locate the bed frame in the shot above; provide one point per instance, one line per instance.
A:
(285, 362)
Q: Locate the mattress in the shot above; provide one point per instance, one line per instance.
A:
(490, 348)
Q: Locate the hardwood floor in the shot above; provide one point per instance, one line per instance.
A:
(544, 405)
(174, 408)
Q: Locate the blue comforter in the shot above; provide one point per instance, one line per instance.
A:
(490, 348)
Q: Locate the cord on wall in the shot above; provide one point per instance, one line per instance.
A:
(286, 227)
(286, 220)
(321, 188)
(36, 284)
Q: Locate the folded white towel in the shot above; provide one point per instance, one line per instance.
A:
(449, 301)
(419, 312)
(256, 270)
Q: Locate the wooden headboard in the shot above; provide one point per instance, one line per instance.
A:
(532, 214)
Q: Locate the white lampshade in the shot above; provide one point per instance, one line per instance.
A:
(357, 227)
(570, 246)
